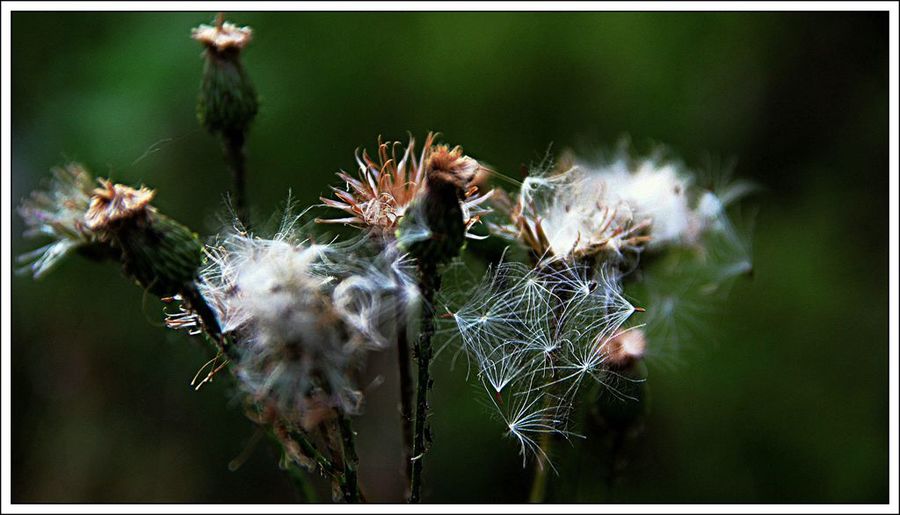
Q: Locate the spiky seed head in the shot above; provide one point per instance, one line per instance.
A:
(536, 336)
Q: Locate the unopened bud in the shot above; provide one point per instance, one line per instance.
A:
(228, 101)
(437, 215)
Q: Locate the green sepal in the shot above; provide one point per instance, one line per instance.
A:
(160, 254)
(228, 100)
(433, 229)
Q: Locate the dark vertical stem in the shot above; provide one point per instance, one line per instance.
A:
(310, 450)
(289, 440)
(406, 395)
(233, 148)
(351, 461)
(333, 442)
(429, 283)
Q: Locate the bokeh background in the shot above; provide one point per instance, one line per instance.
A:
(782, 397)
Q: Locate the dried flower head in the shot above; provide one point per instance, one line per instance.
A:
(156, 251)
(58, 212)
(116, 203)
(568, 215)
(436, 223)
(386, 186)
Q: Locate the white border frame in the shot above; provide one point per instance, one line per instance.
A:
(5, 259)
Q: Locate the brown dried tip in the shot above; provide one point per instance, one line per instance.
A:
(223, 36)
(451, 167)
(626, 349)
(111, 203)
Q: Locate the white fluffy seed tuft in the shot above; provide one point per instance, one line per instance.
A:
(303, 315)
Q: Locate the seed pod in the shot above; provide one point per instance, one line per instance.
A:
(625, 350)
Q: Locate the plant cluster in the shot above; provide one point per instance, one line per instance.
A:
(293, 315)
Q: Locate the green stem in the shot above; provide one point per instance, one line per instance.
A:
(429, 283)
(302, 484)
(312, 452)
(539, 483)
(296, 473)
(233, 148)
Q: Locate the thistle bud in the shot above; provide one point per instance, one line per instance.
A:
(159, 253)
(228, 101)
(434, 227)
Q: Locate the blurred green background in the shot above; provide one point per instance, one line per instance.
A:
(782, 398)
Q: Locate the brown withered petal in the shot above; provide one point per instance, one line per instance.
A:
(451, 167)
(111, 203)
(387, 183)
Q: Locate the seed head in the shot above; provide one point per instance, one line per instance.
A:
(302, 315)
(612, 211)
(536, 336)
(570, 215)
(656, 191)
